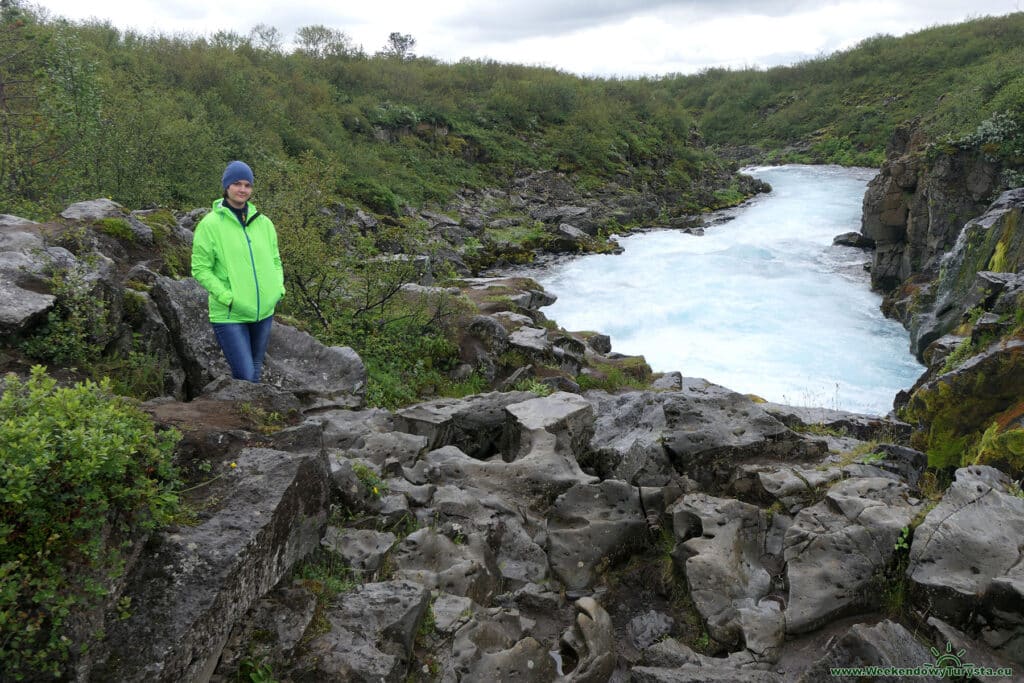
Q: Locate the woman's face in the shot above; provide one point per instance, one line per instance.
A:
(239, 193)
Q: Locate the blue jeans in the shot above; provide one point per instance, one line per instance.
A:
(244, 345)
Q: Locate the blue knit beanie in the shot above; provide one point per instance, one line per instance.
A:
(236, 170)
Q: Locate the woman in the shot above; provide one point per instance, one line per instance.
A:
(235, 258)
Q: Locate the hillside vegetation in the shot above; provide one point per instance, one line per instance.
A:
(152, 119)
(845, 106)
(94, 111)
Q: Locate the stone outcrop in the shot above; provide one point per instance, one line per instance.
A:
(965, 559)
(981, 270)
(835, 549)
(949, 254)
(196, 582)
(916, 206)
(371, 634)
(885, 645)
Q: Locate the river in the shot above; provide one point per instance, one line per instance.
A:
(762, 303)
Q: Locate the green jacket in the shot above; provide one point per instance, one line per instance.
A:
(239, 266)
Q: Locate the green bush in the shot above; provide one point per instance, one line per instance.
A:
(77, 329)
(81, 467)
(375, 195)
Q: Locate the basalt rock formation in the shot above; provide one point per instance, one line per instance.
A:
(949, 258)
(917, 204)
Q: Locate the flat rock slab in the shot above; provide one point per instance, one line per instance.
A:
(720, 542)
(834, 549)
(965, 557)
(475, 425)
(372, 633)
(591, 522)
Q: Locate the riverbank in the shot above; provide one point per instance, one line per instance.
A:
(762, 301)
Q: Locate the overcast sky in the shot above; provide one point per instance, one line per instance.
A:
(590, 37)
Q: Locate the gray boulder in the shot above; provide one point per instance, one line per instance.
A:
(520, 558)
(720, 544)
(21, 309)
(269, 632)
(475, 425)
(197, 582)
(373, 629)
(13, 223)
(182, 305)
(495, 645)
(591, 640)
(568, 238)
(94, 210)
(485, 339)
(542, 445)
(710, 430)
(558, 214)
(322, 376)
(435, 561)
(853, 239)
(383, 447)
(348, 429)
(965, 559)
(362, 549)
(562, 420)
(863, 427)
(25, 266)
(835, 549)
(627, 441)
(702, 430)
(593, 523)
(792, 487)
(532, 342)
(648, 628)
(521, 292)
(886, 644)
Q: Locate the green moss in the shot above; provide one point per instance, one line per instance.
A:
(524, 236)
(998, 261)
(613, 376)
(162, 222)
(116, 227)
(177, 256)
(1005, 447)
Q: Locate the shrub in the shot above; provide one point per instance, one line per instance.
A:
(76, 329)
(81, 466)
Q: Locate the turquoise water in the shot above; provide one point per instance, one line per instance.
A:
(762, 304)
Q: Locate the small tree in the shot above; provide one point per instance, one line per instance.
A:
(350, 286)
(321, 41)
(266, 37)
(399, 46)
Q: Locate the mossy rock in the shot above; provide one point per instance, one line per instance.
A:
(955, 409)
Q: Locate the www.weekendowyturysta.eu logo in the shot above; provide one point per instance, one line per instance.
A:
(947, 664)
(948, 659)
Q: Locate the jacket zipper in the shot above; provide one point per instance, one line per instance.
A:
(252, 260)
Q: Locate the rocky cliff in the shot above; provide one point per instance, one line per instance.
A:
(680, 532)
(916, 206)
(949, 256)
